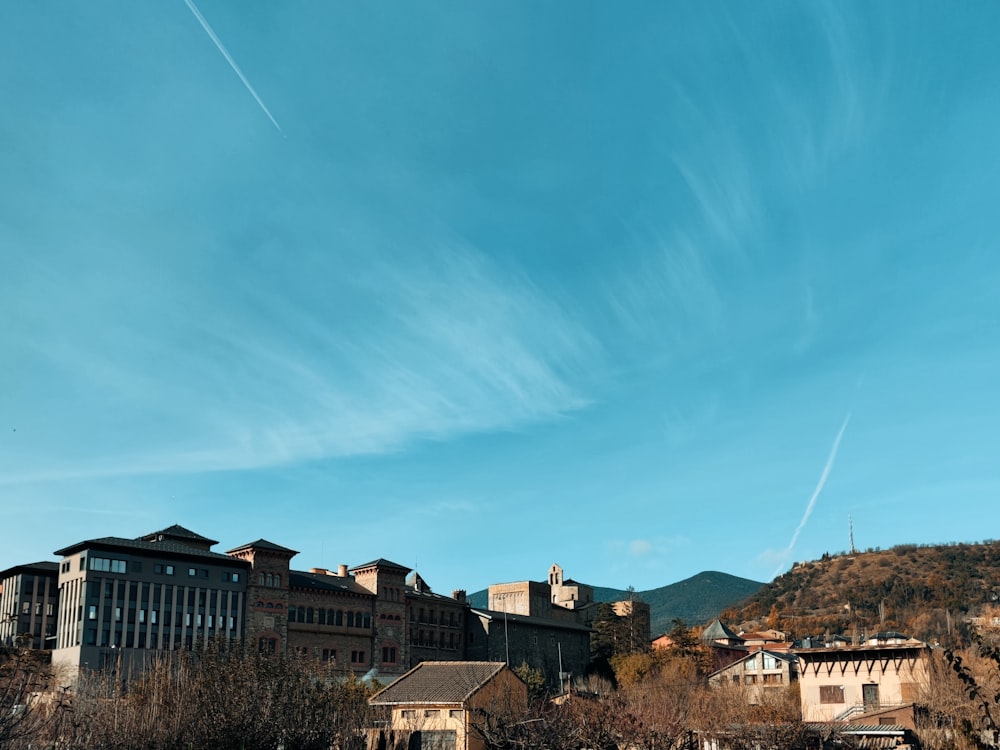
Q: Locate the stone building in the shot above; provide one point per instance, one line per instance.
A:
(29, 596)
(437, 624)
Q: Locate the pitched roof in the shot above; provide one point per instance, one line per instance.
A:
(38, 568)
(166, 548)
(717, 631)
(451, 682)
(177, 532)
(300, 579)
(264, 544)
(382, 563)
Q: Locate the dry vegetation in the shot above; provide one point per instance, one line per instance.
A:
(923, 591)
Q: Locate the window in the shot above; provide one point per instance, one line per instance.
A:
(357, 657)
(831, 693)
(235, 578)
(49, 611)
(118, 614)
(192, 572)
(388, 655)
(105, 565)
(158, 568)
(142, 616)
(429, 712)
(772, 679)
(187, 619)
(750, 665)
(749, 679)
(330, 654)
(92, 612)
(25, 608)
(203, 573)
(770, 661)
(169, 570)
(152, 616)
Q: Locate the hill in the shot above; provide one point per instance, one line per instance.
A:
(694, 600)
(924, 591)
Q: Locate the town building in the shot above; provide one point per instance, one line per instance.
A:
(29, 596)
(122, 600)
(439, 704)
(854, 682)
(757, 673)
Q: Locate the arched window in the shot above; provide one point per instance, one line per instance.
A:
(367, 621)
(340, 617)
(291, 613)
(270, 605)
(309, 614)
(260, 579)
(331, 617)
(277, 580)
(300, 616)
(270, 580)
(350, 619)
(321, 616)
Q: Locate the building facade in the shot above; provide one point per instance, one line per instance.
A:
(840, 684)
(29, 597)
(121, 600)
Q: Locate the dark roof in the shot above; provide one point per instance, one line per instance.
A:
(265, 545)
(450, 682)
(179, 533)
(536, 621)
(382, 563)
(717, 630)
(38, 568)
(300, 579)
(165, 548)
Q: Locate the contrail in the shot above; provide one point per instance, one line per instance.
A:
(231, 61)
(815, 495)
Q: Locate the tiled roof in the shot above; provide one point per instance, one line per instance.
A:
(265, 545)
(165, 548)
(437, 682)
(322, 582)
(382, 563)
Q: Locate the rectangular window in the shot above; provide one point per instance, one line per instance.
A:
(49, 609)
(770, 661)
(750, 665)
(169, 570)
(749, 679)
(158, 568)
(152, 616)
(118, 614)
(192, 572)
(83, 563)
(142, 616)
(198, 621)
(329, 654)
(831, 693)
(25, 608)
(92, 612)
(203, 573)
(187, 619)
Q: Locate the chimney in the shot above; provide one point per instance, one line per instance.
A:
(342, 571)
(321, 571)
(458, 595)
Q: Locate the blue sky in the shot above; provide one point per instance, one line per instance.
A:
(643, 290)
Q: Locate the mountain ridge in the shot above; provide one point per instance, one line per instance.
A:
(694, 600)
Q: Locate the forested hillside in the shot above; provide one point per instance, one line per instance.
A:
(923, 591)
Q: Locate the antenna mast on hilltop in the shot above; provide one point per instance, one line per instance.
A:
(850, 523)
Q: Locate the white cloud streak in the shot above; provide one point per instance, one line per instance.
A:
(815, 496)
(232, 63)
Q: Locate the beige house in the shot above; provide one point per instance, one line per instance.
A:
(437, 704)
(846, 683)
(757, 673)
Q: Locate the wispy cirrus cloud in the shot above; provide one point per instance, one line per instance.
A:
(337, 361)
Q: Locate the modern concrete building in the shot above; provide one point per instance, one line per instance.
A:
(121, 600)
(29, 596)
